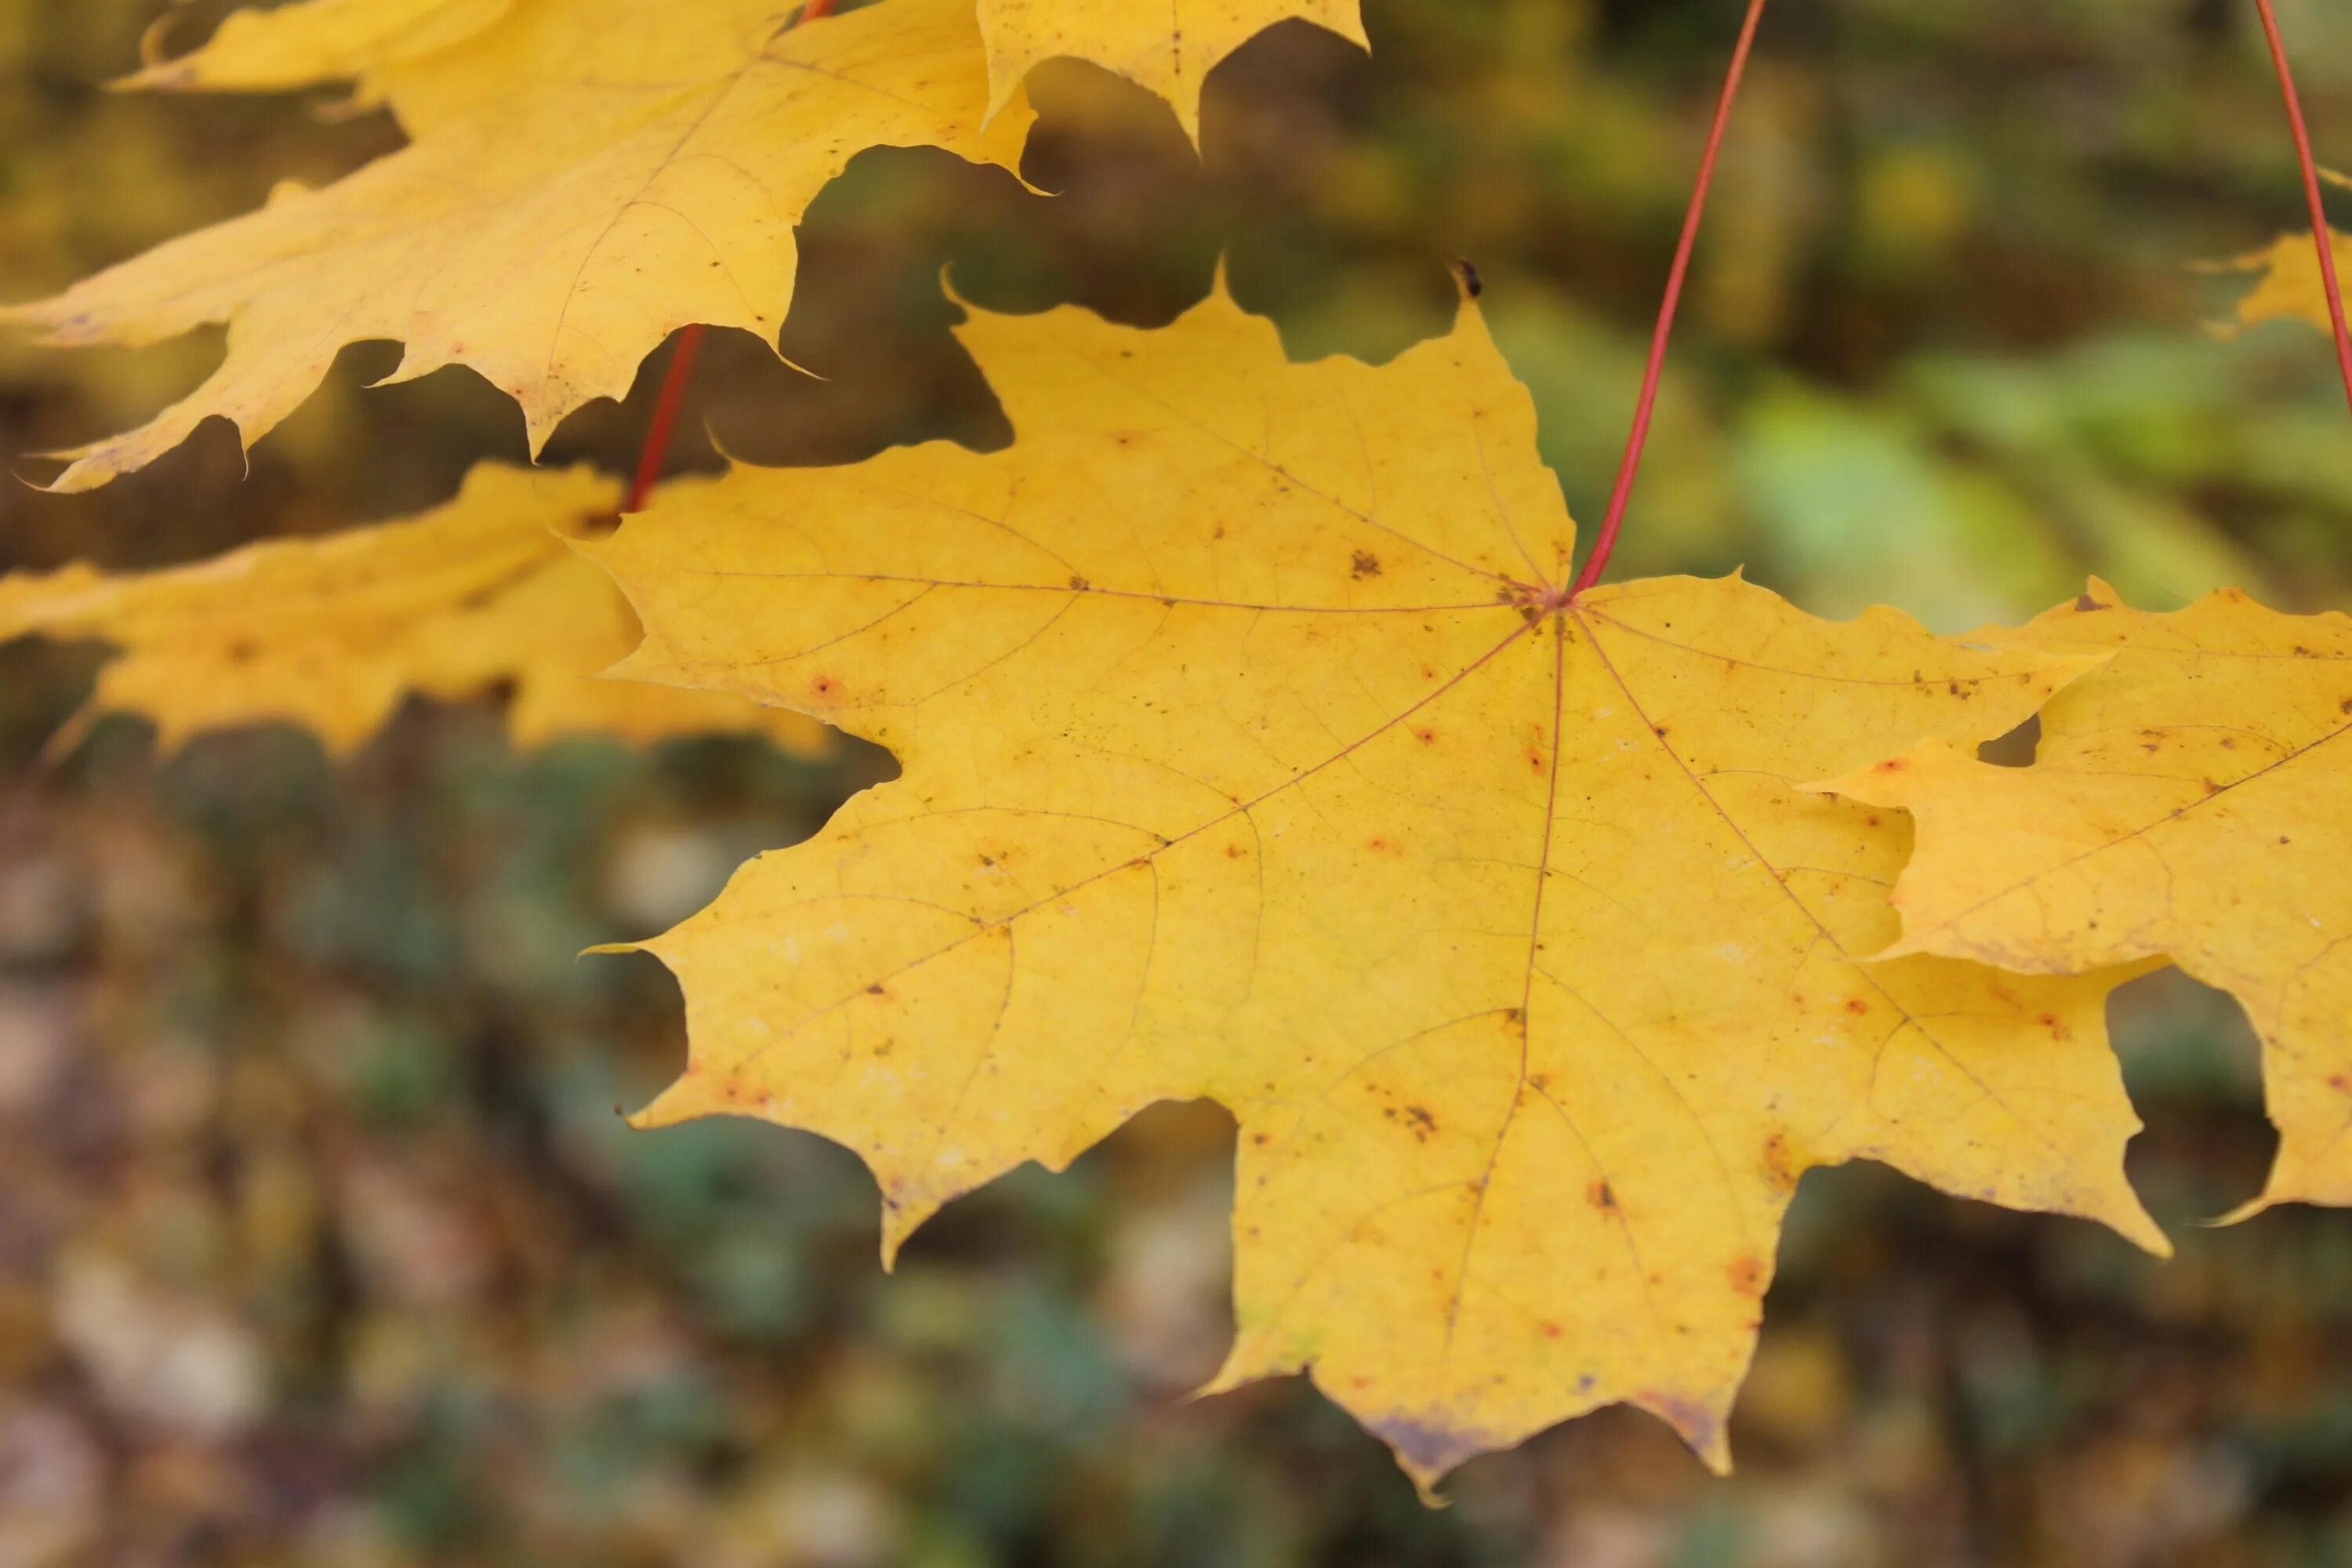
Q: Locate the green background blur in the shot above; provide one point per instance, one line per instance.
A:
(320, 1241)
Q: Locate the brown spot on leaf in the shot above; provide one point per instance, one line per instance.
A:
(1365, 564)
(1602, 1195)
(1780, 1161)
(2085, 604)
(1856, 1005)
(1747, 1276)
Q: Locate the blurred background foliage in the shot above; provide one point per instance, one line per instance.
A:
(320, 1241)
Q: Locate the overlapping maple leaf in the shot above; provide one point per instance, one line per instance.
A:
(579, 183)
(1169, 47)
(331, 633)
(583, 177)
(2287, 284)
(2191, 800)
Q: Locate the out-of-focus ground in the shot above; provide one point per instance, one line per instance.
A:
(320, 1241)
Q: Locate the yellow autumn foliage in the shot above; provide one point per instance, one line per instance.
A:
(2190, 801)
(331, 633)
(578, 185)
(1168, 48)
(1252, 751)
(314, 41)
(2287, 284)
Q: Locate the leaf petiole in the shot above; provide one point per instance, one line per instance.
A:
(651, 456)
(1613, 522)
(2319, 232)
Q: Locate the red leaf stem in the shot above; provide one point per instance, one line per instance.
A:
(1614, 522)
(2310, 194)
(655, 450)
(664, 421)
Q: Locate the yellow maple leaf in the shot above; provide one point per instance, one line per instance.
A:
(316, 41)
(2189, 801)
(332, 633)
(1250, 752)
(1168, 48)
(580, 184)
(2289, 286)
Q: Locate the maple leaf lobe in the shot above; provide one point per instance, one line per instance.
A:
(1167, 48)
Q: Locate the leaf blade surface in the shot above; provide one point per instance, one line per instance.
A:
(1249, 754)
